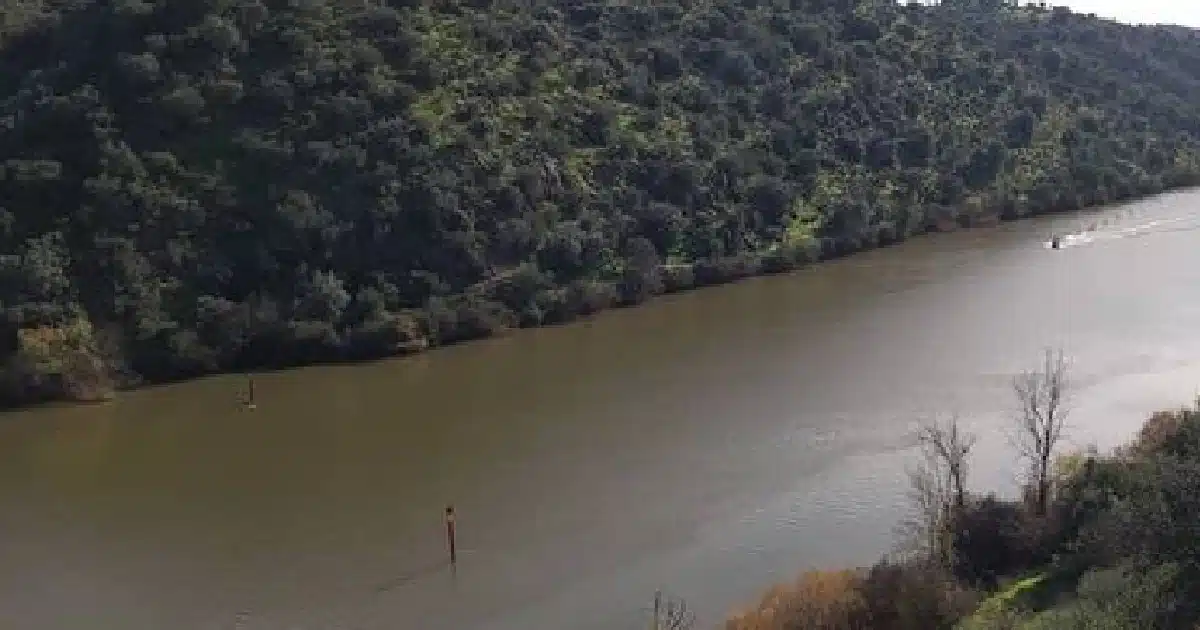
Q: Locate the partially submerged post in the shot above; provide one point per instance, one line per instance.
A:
(247, 399)
(451, 543)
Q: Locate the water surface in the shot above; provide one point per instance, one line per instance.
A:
(707, 444)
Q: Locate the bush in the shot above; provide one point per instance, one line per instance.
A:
(387, 334)
(886, 597)
(1120, 598)
(819, 600)
(678, 278)
(1170, 433)
(913, 597)
(994, 538)
(57, 362)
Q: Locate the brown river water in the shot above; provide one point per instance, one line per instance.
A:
(707, 444)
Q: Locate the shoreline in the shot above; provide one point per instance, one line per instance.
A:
(1051, 553)
(672, 278)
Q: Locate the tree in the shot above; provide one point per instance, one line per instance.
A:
(671, 613)
(939, 487)
(924, 532)
(620, 151)
(1041, 421)
(950, 446)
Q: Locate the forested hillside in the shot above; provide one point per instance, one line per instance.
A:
(189, 186)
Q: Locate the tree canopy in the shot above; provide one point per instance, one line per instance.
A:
(206, 185)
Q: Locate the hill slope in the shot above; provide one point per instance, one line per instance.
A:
(206, 185)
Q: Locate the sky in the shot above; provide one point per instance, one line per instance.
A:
(1184, 12)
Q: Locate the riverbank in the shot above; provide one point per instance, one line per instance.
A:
(709, 443)
(1116, 548)
(81, 364)
(396, 178)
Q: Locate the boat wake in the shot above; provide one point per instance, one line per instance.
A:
(1099, 232)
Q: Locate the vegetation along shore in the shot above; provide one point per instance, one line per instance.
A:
(1097, 542)
(194, 187)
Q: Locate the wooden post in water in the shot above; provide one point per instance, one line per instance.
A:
(657, 623)
(250, 393)
(451, 542)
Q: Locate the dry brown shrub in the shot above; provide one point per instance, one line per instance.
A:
(819, 600)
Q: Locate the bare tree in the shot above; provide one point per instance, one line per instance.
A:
(1041, 421)
(671, 613)
(938, 490)
(949, 446)
(924, 532)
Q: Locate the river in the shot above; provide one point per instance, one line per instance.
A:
(708, 444)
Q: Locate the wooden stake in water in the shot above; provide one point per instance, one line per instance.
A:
(657, 623)
(250, 394)
(451, 543)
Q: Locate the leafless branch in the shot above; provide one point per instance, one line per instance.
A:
(672, 613)
(1041, 421)
(921, 532)
(948, 446)
(938, 487)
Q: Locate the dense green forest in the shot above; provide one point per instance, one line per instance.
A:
(201, 185)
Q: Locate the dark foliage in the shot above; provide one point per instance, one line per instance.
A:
(221, 184)
(992, 539)
(912, 597)
(1123, 529)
